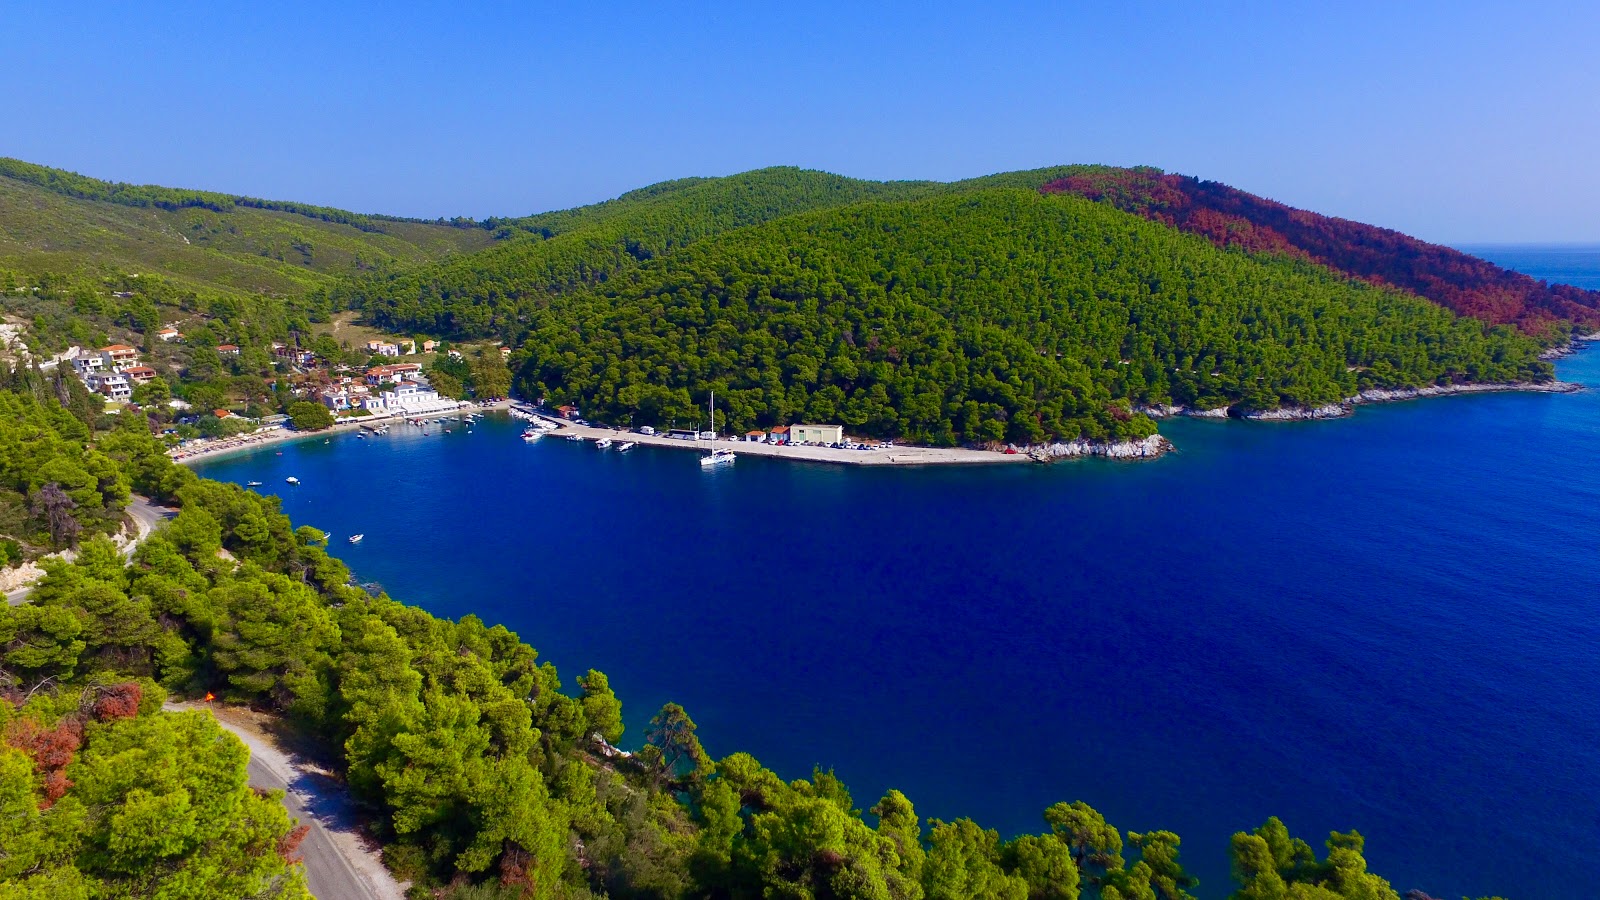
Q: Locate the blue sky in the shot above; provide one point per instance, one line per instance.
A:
(1456, 122)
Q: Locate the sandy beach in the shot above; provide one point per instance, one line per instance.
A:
(197, 450)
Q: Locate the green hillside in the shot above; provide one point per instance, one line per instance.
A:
(493, 292)
(999, 314)
(66, 224)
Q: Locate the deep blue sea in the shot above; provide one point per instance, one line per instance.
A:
(1387, 622)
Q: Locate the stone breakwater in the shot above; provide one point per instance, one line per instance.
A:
(1348, 405)
(1147, 448)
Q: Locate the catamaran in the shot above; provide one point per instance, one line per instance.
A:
(715, 457)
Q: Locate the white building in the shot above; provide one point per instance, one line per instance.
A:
(816, 434)
(88, 364)
(410, 399)
(112, 384)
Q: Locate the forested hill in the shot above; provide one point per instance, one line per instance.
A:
(59, 222)
(495, 292)
(1229, 217)
(986, 315)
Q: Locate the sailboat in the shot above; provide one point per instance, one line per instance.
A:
(715, 457)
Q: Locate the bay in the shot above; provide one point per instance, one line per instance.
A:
(1385, 622)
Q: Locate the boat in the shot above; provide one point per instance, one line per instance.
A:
(625, 446)
(292, 480)
(252, 484)
(603, 443)
(723, 457)
(356, 538)
(530, 435)
(574, 437)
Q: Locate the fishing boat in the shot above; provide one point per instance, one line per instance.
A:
(292, 480)
(603, 443)
(356, 538)
(723, 457)
(625, 446)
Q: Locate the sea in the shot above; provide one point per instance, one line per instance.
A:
(1386, 623)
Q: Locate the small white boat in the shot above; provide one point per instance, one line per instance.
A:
(531, 436)
(603, 443)
(625, 446)
(723, 457)
(292, 480)
(252, 484)
(574, 437)
(356, 538)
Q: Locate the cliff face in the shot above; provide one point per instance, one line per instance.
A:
(1232, 218)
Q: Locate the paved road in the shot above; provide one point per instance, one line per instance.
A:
(146, 516)
(339, 863)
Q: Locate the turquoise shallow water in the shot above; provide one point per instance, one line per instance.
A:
(1385, 622)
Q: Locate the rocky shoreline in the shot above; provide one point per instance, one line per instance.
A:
(1147, 448)
(1347, 406)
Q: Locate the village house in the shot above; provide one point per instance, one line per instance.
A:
(119, 355)
(113, 385)
(87, 364)
(567, 412)
(140, 374)
(383, 348)
(169, 334)
(779, 435)
(395, 372)
(335, 397)
(755, 437)
(429, 346)
(408, 347)
(228, 349)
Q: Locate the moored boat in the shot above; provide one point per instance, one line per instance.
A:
(626, 446)
(356, 538)
(603, 443)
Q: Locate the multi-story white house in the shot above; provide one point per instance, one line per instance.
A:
(112, 384)
(118, 356)
(88, 364)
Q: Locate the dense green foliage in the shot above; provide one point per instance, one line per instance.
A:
(54, 489)
(494, 292)
(482, 771)
(54, 221)
(988, 315)
(103, 796)
(491, 293)
(308, 416)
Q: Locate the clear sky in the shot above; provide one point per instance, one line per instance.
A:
(1454, 121)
